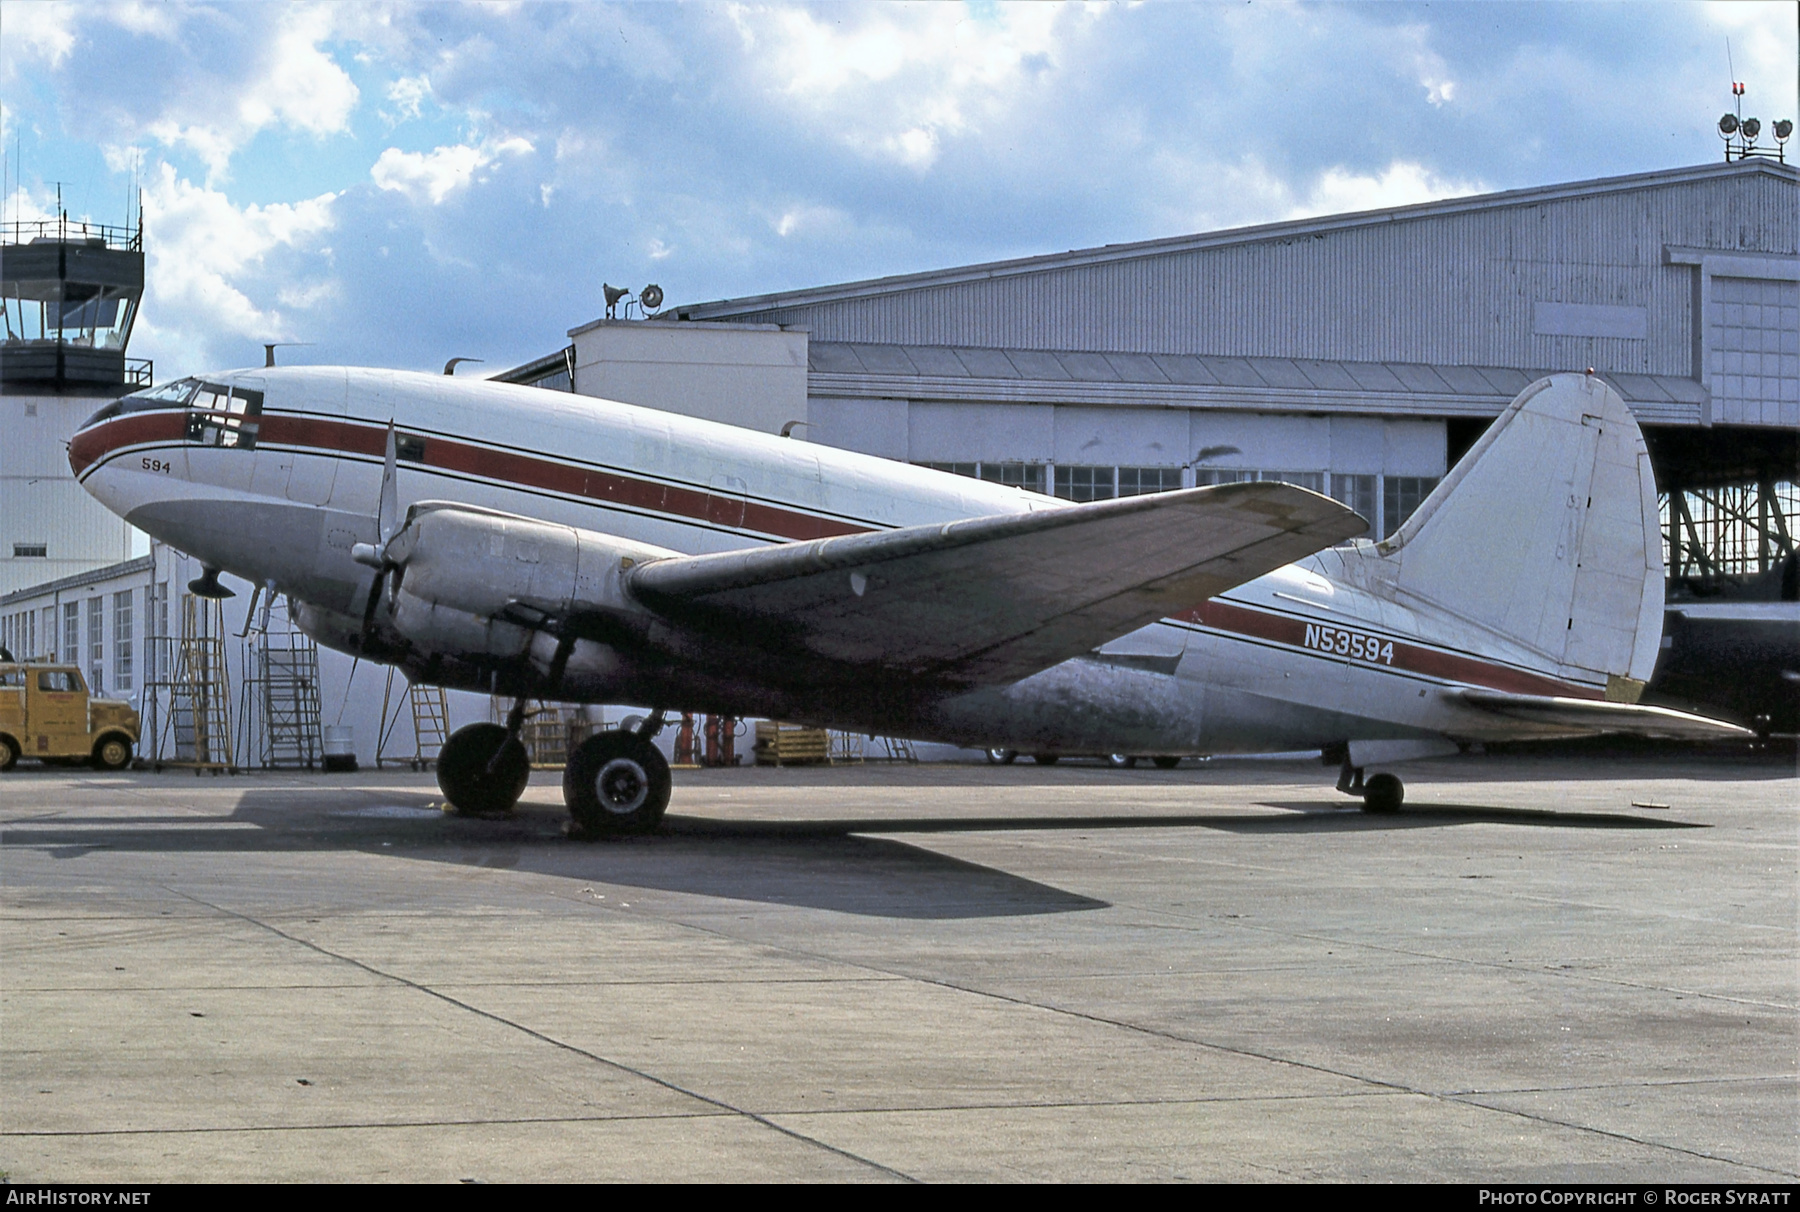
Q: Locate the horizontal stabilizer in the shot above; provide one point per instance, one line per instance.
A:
(1561, 717)
(993, 599)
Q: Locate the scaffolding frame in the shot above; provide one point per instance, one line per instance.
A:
(195, 730)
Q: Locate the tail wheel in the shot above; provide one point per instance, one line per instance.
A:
(482, 771)
(616, 783)
(9, 753)
(112, 753)
(1383, 793)
(1166, 763)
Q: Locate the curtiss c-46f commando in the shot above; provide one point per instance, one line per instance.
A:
(521, 542)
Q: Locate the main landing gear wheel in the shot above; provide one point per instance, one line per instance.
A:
(482, 771)
(1383, 793)
(616, 783)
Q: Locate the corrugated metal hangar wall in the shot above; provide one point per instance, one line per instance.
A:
(1578, 275)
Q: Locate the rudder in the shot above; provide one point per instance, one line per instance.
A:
(1546, 534)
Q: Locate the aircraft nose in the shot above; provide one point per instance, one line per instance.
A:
(88, 444)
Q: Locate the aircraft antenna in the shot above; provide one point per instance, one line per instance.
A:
(269, 347)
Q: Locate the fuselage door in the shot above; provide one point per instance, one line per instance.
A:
(306, 425)
(725, 501)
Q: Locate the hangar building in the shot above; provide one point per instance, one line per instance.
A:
(1357, 354)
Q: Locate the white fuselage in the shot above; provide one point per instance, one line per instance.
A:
(1300, 658)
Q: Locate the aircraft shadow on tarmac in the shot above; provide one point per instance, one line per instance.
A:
(842, 865)
(828, 865)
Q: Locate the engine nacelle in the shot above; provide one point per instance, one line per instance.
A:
(470, 579)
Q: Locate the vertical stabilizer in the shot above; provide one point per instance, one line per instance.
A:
(1546, 535)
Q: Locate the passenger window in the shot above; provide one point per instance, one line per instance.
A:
(57, 682)
(11, 679)
(224, 416)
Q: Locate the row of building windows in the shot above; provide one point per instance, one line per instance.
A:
(1386, 501)
(108, 629)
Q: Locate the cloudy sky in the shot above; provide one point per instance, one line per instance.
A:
(401, 183)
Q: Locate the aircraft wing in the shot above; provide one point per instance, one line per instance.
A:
(1585, 717)
(993, 599)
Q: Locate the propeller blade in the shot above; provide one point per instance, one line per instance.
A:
(368, 619)
(387, 518)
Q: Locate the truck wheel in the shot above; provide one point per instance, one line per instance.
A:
(112, 753)
(9, 753)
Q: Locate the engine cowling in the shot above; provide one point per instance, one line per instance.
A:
(469, 581)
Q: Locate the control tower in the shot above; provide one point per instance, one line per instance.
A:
(69, 293)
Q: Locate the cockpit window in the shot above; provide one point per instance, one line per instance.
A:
(224, 415)
(170, 395)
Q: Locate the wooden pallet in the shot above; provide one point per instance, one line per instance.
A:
(779, 744)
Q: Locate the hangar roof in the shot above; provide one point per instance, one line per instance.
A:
(943, 372)
(1298, 228)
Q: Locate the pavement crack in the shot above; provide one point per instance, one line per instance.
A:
(608, 1062)
(362, 1125)
(1535, 969)
(1377, 1083)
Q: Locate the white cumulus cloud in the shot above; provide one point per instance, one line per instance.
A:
(409, 94)
(290, 83)
(1401, 183)
(434, 175)
(37, 31)
(896, 81)
(205, 267)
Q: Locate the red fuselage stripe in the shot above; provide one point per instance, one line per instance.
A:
(334, 437)
(1413, 658)
(91, 445)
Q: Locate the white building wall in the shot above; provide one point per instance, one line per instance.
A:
(753, 375)
(1121, 437)
(939, 432)
(40, 502)
(878, 427)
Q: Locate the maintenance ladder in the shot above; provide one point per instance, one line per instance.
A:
(286, 691)
(430, 712)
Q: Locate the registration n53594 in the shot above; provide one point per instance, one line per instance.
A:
(1357, 645)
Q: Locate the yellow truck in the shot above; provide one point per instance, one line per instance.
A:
(47, 713)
